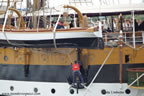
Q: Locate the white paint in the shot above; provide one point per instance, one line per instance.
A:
(143, 37)
(62, 89)
(45, 35)
(133, 14)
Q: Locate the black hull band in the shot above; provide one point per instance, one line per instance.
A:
(47, 73)
(91, 43)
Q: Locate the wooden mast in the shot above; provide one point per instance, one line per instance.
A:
(34, 17)
(120, 47)
(44, 17)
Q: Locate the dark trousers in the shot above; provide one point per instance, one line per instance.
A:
(60, 27)
(77, 74)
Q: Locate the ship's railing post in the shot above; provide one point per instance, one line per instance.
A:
(125, 37)
(106, 39)
(121, 64)
(100, 28)
(133, 14)
(143, 37)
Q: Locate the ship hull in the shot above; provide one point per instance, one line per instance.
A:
(45, 39)
(91, 43)
(20, 88)
(60, 73)
(21, 72)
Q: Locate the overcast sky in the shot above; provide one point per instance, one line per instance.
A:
(95, 2)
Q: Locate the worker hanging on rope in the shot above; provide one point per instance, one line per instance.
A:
(76, 72)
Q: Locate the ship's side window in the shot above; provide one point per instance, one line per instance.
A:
(53, 90)
(127, 91)
(35, 90)
(11, 88)
(71, 91)
(127, 59)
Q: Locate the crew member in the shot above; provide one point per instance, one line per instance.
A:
(76, 72)
(60, 25)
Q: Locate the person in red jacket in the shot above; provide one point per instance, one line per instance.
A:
(76, 72)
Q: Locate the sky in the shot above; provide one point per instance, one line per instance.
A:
(95, 2)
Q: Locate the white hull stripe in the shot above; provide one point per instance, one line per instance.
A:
(45, 35)
(21, 88)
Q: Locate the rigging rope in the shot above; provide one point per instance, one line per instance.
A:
(99, 70)
(3, 28)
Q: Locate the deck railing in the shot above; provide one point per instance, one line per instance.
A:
(136, 77)
(112, 38)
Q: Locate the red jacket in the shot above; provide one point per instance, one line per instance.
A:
(75, 67)
(59, 23)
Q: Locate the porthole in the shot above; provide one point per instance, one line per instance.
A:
(11, 88)
(6, 58)
(62, 59)
(44, 59)
(35, 90)
(53, 91)
(127, 91)
(127, 58)
(20, 58)
(71, 91)
(103, 92)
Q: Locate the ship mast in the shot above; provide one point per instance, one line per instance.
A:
(120, 48)
(34, 17)
(37, 5)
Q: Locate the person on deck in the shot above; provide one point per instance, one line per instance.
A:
(76, 72)
(141, 26)
(136, 25)
(60, 25)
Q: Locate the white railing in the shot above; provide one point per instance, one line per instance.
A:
(113, 38)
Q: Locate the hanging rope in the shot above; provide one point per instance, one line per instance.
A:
(54, 31)
(4, 33)
(6, 11)
(3, 28)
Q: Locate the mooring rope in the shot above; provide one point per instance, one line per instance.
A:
(98, 71)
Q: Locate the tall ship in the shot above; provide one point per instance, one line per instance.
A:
(38, 45)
